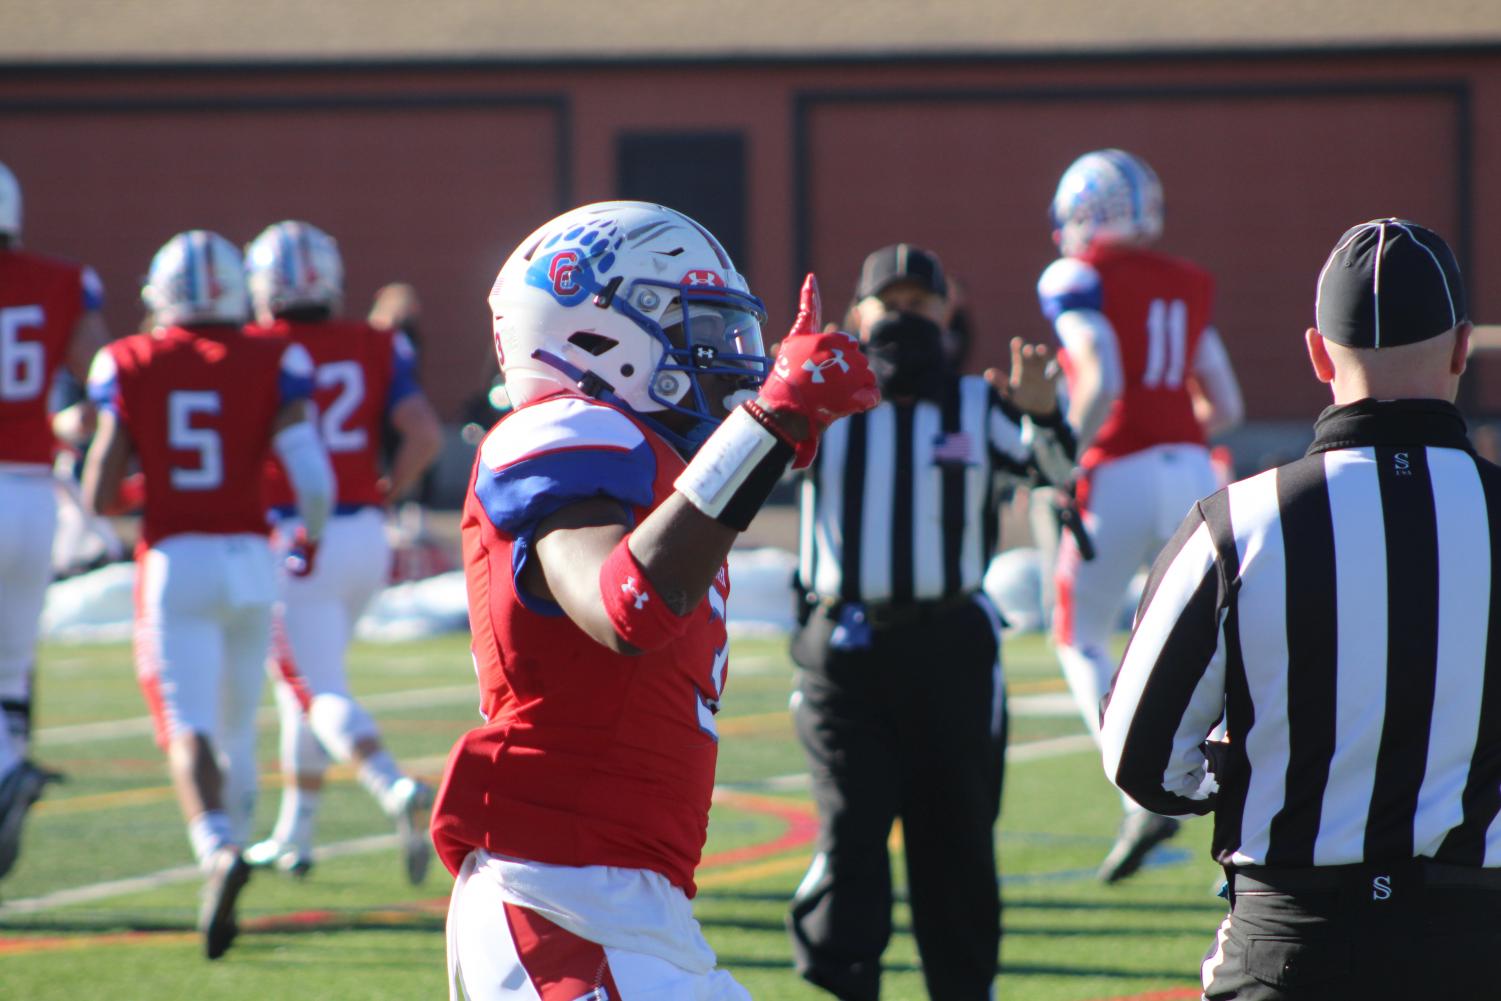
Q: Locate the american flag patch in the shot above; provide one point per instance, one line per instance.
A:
(954, 449)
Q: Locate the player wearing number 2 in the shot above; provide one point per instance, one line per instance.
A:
(595, 533)
(364, 376)
(200, 405)
(1148, 380)
(49, 317)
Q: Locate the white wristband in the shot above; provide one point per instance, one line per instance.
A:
(734, 471)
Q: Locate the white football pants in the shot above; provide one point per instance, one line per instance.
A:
(28, 518)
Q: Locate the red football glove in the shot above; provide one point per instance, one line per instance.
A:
(818, 376)
(301, 555)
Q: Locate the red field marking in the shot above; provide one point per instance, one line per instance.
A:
(801, 820)
(802, 825)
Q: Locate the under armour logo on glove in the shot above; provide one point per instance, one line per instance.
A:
(820, 375)
(817, 368)
(639, 597)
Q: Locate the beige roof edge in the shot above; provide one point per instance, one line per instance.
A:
(1188, 48)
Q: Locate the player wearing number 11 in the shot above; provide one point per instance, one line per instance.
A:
(200, 405)
(1148, 380)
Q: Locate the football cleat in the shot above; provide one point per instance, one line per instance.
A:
(228, 872)
(1140, 833)
(19, 789)
(284, 857)
(410, 801)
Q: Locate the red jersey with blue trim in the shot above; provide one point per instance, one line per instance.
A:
(589, 757)
(360, 374)
(41, 300)
(1159, 307)
(199, 404)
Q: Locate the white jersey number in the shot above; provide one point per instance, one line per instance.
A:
(23, 364)
(349, 378)
(708, 707)
(182, 406)
(1167, 344)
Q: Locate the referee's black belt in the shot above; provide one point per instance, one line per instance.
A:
(895, 614)
(1361, 877)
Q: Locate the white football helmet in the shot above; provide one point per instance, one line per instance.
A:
(10, 204)
(291, 265)
(596, 302)
(197, 277)
(1106, 197)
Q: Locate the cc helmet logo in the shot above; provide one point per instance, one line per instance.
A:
(563, 271)
(702, 278)
(818, 367)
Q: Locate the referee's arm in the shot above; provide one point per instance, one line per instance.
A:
(1169, 691)
(1030, 448)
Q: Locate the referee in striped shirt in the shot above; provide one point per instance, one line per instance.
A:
(900, 707)
(1338, 616)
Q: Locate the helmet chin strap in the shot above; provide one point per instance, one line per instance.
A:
(686, 442)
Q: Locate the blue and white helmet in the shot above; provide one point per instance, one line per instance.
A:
(628, 302)
(10, 204)
(1106, 197)
(197, 277)
(293, 265)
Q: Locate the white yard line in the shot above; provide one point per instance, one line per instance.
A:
(1032, 750)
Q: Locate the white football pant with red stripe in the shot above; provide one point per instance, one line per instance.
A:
(203, 626)
(27, 524)
(507, 939)
(1132, 506)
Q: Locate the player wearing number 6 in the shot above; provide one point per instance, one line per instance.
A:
(200, 406)
(595, 533)
(1148, 379)
(363, 377)
(49, 316)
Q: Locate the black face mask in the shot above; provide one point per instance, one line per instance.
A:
(906, 356)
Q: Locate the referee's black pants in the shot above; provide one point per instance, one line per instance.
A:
(913, 726)
(1405, 933)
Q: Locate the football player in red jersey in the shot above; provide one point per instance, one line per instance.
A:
(49, 317)
(1148, 381)
(595, 533)
(363, 376)
(200, 405)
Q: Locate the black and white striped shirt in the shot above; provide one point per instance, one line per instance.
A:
(900, 504)
(1339, 613)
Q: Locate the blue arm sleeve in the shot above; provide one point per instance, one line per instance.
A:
(403, 371)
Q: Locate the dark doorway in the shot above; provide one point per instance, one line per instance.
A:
(699, 173)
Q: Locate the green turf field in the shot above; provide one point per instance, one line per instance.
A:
(102, 901)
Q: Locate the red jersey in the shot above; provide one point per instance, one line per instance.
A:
(1159, 307)
(589, 757)
(199, 404)
(361, 372)
(41, 300)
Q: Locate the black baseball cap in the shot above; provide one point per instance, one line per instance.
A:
(900, 262)
(1389, 282)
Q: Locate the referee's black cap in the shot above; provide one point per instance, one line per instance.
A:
(900, 262)
(1389, 282)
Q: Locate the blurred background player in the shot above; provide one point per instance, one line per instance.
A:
(594, 551)
(200, 405)
(364, 377)
(49, 317)
(1148, 381)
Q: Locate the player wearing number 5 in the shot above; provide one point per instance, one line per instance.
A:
(1148, 380)
(595, 533)
(200, 405)
(296, 279)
